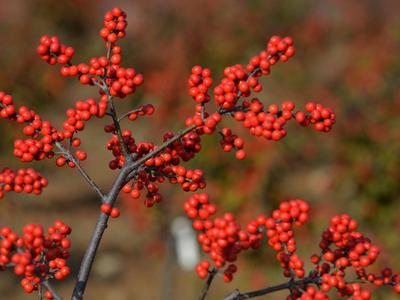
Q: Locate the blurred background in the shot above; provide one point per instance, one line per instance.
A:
(347, 58)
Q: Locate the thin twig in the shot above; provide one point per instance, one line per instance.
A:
(137, 164)
(46, 284)
(206, 288)
(236, 295)
(114, 116)
(84, 174)
(136, 110)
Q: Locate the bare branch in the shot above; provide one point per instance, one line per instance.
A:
(210, 278)
(101, 225)
(84, 174)
(137, 164)
(237, 295)
(46, 284)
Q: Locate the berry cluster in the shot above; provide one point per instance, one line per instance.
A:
(239, 82)
(23, 180)
(266, 124)
(122, 81)
(235, 84)
(104, 71)
(161, 167)
(82, 112)
(199, 82)
(189, 180)
(115, 147)
(31, 149)
(321, 117)
(311, 293)
(221, 238)
(231, 141)
(7, 109)
(156, 171)
(52, 51)
(42, 133)
(342, 247)
(114, 25)
(36, 255)
(281, 236)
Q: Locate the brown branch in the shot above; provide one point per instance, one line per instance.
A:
(137, 164)
(206, 288)
(136, 110)
(46, 284)
(237, 295)
(101, 225)
(113, 113)
(84, 174)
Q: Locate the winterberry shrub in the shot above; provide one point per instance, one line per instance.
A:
(38, 256)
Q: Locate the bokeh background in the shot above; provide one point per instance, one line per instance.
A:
(347, 58)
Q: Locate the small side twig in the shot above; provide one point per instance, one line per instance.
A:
(84, 174)
(46, 284)
(206, 288)
(136, 110)
(237, 295)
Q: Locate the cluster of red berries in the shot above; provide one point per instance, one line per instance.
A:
(277, 49)
(121, 81)
(239, 82)
(23, 180)
(52, 51)
(43, 134)
(281, 236)
(236, 83)
(321, 117)
(189, 180)
(311, 293)
(82, 112)
(231, 141)
(36, 255)
(86, 73)
(7, 109)
(204, 122)
(145, 179)
(199, 82)
(344, 247)
(31, 149)
(114, 25)
(187, 147)
(148, 181)
(266, 124)
(156, 171)
(114, 146)
(352, 248)
(222, 238)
